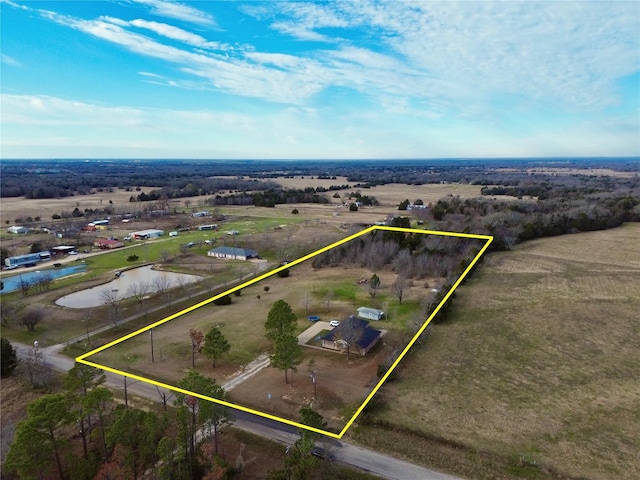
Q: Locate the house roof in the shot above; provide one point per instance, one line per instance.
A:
(369, 335)
(234, 251)
(107, 241)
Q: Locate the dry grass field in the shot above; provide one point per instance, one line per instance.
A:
(537, 366)
(331, 293)
(388, 195)
(574, 171)
(16, 207)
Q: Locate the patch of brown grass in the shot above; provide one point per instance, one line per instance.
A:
(539, 362)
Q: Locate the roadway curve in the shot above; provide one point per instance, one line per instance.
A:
(349, 454)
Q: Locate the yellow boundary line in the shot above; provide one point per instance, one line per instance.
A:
(489, 239)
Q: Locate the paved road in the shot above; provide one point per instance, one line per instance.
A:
(368, 460)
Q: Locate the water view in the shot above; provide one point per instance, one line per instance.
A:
(12, 283)
(152, 280)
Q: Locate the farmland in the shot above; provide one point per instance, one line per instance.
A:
(330, 293)
(535, 370)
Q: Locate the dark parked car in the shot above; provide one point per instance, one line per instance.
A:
(323, 454)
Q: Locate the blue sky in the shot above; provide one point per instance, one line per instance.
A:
(296, 80)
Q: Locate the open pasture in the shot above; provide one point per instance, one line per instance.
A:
(330, 293)
(537, 364)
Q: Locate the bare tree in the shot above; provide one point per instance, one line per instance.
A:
(164, 396)
(43, 282)
(402, 261)
(165, 255)
(10, 311)
(31, 317)
(399, 287)
(25, 285)
(184, 283)
(162, 285)
(34, 365)
(112, 298)
(349, 333)
(327, 299)
(305, 301)
(140, 291)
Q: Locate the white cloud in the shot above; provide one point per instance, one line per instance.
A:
(50, 126)
(179, 11)
(179, 34)
(299, 32)
(8, 60)
(440, 71)
(457, 55)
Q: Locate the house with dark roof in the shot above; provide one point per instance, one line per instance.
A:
(354, 333)
(232, 253)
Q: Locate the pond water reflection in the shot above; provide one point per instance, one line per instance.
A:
(153, 280)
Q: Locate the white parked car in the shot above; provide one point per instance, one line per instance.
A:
(73, 252)
(334, 323)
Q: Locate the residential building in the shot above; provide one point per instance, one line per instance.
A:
(232, 253)
(355, 332)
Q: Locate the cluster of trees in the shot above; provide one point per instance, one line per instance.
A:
(414, 255)
(118, 441)
(272, 197)
(366, 200)
(193, 187)
(299, 463)
(59, 178)
(511, 222)
(21, 314)
(213, 345)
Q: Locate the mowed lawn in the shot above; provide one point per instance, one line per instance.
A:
(538, 365)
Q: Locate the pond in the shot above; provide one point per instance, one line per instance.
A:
(12, 283)
(136, 278)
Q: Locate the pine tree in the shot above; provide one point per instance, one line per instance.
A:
(215, 344)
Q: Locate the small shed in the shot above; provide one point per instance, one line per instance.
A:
(232, 253)
(370, 313)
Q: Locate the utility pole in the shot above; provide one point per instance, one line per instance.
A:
(313, 379)
(86, 323)
(152, 357)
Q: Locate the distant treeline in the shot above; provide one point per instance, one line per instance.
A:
(511, 222)
(61, 178)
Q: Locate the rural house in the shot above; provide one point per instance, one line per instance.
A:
(18, 229)
(144, 234)
(370, 313)
(364, 338)
(107, 244)
(232, 253)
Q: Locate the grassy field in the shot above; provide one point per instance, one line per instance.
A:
(536, 371)
(331, 293)
(242, 321)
